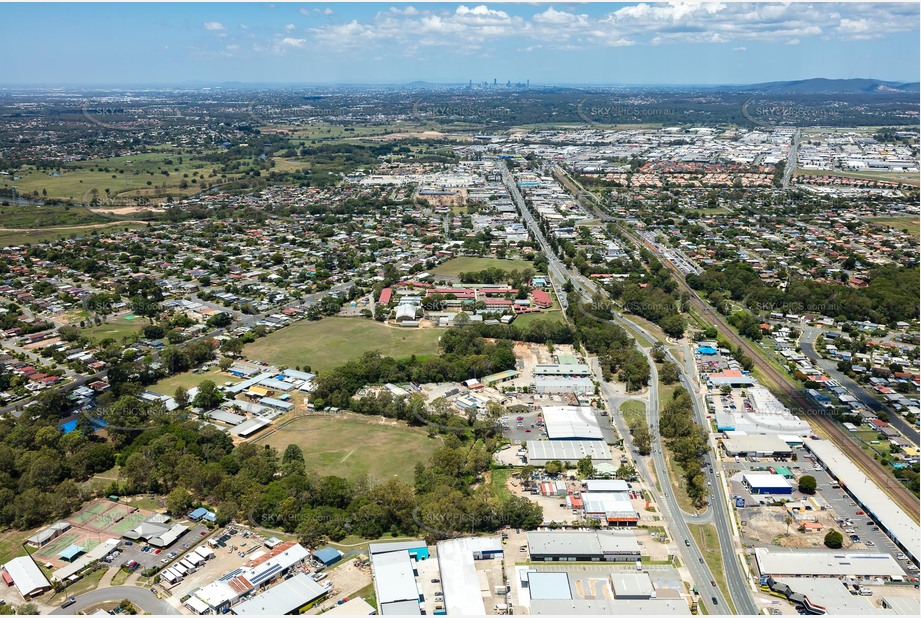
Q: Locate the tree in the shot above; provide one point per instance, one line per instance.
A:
(669, 373)
(807, 484)
(178, 501)
(553, 467)
(208, 396)
(834, 539)
(225, 363)
(181, 396)
(585, 467)
(27, 609)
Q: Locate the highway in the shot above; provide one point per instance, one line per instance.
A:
(791, 160)
(807, 345)
(672, 514)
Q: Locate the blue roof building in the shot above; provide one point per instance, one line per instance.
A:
(706, 350)
(201, 513)
(70, 553)
(328, 555)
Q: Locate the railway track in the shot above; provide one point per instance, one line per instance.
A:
(816, 416)
(825, 426)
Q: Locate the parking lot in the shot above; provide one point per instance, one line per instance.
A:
(147, 556)
(520, 431)
(840, 505)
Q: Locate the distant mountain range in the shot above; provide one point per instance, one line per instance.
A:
(820, 85)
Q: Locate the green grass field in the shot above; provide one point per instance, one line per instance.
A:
(116, 329)
(12, 238)
(453, 268)
(497, 484)
(126, 177)
(526, 319)
(633, 411)
(899, 223)
(351, 445)
(331, 342)
(189, 380)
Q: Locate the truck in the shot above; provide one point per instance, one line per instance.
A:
(70, 601)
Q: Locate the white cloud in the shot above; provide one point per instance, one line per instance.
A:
(468, 27)
(739, 49)
(290, 27)
(293, 42)
(327, 11)
(213, 25)
(304, 11)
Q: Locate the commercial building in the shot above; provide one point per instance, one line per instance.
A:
(548, 586)
(895, 522)
(583, 546)
(27, 577)
(288, 596)
(222, 593)
(460, 579)
(606, 485)
(766, 483)
(555, 384)
(395, 584)
(831, 563)
(575, 370)
(567, 451)
(632, 586)
(606, 607)
(571, 423)
(416, 548)
(747, 445)
(97, 553)
(612, 507)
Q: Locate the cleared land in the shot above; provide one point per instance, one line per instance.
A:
(909, 178)
(899, 223)
(116, 329)
(352, 445)
(331, 342)
(189, 380)
(633, 411)
(453, 268)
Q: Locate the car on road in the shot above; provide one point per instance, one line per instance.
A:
(701, 560)
(870, 544)
(687, 542)
(436, 580)
(70, 601)
(714, 601)
(203, 532)
(859, 513)
(713, 583)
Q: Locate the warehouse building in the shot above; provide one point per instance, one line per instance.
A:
(606, 485)
(766, 483)
(614, 508)
(416, 548)
(27, 577)
(746, 445)
(548, 586)
(583, 546)
(575, 370)
(632, 586)
(554, 384)
(567, 451)
(356, 606)
(900, 527)
(289, 596)
(395, 584)
(609, 607)
(250, 427)
(571, 423)
(830, 563)
(460, 579)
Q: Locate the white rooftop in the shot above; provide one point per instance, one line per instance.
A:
(829, 563)
(874, 500)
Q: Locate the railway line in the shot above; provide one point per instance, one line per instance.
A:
(824, 426)
(816, 416)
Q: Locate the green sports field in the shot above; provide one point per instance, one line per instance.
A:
(116, 329)
(331, 342)
(454, 267)
(352, 445)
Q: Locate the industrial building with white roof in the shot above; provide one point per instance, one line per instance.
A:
(895, 522)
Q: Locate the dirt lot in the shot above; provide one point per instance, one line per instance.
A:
(347, 579)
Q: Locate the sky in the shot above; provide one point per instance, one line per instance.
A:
(394, 43)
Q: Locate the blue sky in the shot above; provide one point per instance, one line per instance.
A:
(548, 43)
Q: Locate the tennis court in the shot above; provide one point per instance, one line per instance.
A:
(89, 513)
